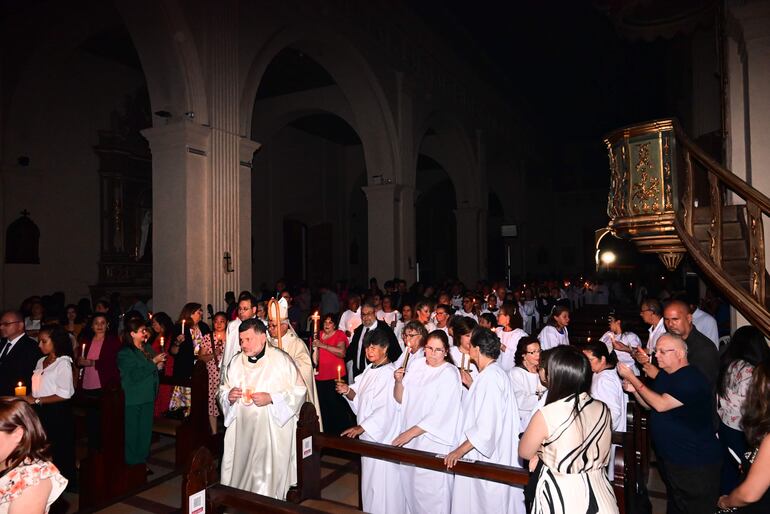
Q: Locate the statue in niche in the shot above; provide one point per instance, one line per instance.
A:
(22, 240)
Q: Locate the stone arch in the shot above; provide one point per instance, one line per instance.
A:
(371, 113)
(169, 56)
(442, 138)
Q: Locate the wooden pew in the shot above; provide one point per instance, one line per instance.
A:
(104, 474)
(194, 431)
(203, 474)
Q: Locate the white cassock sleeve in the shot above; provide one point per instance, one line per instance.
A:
(526, 399)
(286, 404)
(440, 420)
(606, 390)
(488, 409)
(378, 417)
(230, 412)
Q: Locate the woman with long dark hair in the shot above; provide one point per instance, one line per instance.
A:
(747, 348)
(163, 332)
(29, 482)
(510, 331)
(189, 333)
(53, 384)
(752, 494)
(572, 434)
(555, 332)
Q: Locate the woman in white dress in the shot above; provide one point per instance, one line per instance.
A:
(510, 331)
(429, 396)
(525, 378)
(462, 327)
(606, 385)
(623, 343)
(371, 398)
(555, 332)
(490, 433)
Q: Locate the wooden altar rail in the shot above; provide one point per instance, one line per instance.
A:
(203, 472)
(194, 431)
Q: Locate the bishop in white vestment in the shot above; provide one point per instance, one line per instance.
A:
(261, 398)
(297, 350)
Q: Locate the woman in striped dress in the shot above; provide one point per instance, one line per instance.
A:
(572, 435)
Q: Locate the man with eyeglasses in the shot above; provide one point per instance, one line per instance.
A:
(19, 353)
(354, 355)
(681, 423)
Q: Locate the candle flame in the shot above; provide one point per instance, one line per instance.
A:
(19, 385)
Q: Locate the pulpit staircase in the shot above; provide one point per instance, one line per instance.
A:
(671, 198)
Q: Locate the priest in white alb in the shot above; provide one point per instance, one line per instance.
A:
(283, 336)
(261, 398)
(490, 433)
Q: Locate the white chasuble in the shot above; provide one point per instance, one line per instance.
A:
(260, 442)
(491, 424)
(431, 401)
(376, 411)
(299, 353)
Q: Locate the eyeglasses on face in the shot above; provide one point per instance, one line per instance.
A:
(664, 352)
(533, 352)
(408, 336)
(429, 349)
(6, 323)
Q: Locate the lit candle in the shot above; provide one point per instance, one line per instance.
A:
(83, 351)
(406, 358)
(339, 373)
(162, 343)
(20, 390)
(183, 322)
(149, 315)
(462, 360)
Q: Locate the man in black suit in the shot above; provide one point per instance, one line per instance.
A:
(369, 322)
(19, 354)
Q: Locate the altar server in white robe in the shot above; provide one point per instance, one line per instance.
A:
(510, 331)
(462, 328)
(371, 398)
(429, 395)
(296, 348)
(555, 332)
(490, 430)
(261, 399)
(525, 378)
(625, 344)
(413, 337)
(247, 309)
(606, 384)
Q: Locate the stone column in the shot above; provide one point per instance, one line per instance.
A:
(468, 244)
(180, 198)
(244, 198)
(381, 208)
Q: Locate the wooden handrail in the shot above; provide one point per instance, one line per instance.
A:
(485, 470)
(734, 182)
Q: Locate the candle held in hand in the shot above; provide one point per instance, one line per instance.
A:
(162, 343)
(339, 373)
(406, 358)
(183, 322)
(20, 390)
(315, 317)
(83, 351)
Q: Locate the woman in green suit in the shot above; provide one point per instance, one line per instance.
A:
(138, 365)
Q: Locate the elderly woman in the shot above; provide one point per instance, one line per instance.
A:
(572, 436)
(331, 345)
(29, 482)
(606, 385)
(490, 429)
(429, 393)
(525, 377)
(372, 401)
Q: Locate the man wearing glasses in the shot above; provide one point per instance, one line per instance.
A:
(19, 353)
(681, 404)
(354, 355)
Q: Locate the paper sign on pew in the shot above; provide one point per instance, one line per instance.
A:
(198, 502)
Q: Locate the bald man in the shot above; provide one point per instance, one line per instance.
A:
(701, 352)
(681, 423)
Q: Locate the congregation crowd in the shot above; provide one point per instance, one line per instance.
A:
(488, 374)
